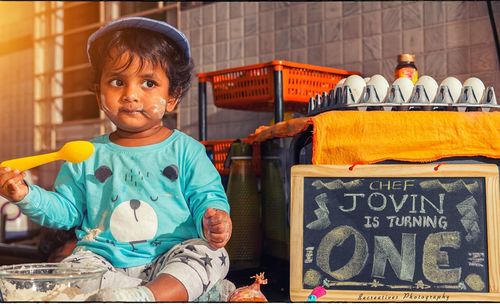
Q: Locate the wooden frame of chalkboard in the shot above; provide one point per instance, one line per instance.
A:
(391, 233)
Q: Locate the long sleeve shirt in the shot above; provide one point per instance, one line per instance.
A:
(132, 204)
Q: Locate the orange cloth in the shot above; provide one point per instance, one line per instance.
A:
(285, 128)
(360, 137)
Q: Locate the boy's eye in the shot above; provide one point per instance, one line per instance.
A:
(116, 82)
(149, 83)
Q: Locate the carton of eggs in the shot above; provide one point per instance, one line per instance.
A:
(375, 93)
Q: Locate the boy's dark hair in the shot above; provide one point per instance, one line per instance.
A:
(147, 46)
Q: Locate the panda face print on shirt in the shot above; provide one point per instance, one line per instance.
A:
(133, 219)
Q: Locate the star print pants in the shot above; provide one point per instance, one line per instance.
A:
(192, 262)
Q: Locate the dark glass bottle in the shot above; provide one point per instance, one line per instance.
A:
(406, 67)
(245, 245)
(274, 211)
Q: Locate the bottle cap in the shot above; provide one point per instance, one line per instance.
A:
(406, 57)
(240, 148)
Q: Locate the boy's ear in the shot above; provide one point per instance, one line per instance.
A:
(171, 104)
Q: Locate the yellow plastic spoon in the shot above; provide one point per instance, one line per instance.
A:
(73, 151)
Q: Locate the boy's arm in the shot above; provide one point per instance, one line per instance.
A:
(203, 188)
(61, 208)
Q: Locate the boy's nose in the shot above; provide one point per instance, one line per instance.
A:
(130, 95)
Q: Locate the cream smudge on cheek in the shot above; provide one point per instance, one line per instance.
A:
(104, 107)
(158, 107)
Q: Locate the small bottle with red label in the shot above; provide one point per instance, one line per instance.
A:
(406, 67)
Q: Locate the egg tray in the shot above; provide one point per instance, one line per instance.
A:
(421, 98)
(414, 106)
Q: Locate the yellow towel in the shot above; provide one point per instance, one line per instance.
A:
(359, 137)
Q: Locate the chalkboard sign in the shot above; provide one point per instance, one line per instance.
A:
(396, 232)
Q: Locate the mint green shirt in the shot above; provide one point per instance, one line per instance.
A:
(132, 204)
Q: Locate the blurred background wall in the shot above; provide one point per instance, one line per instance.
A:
(44, 75)
(449, 38)
(16, 79)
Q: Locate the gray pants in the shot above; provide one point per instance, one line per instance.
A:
(192, 262)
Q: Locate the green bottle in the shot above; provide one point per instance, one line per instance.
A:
(245, 245)
(276, 232)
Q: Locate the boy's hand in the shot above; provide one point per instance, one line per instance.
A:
(12, 185)
(217, 227)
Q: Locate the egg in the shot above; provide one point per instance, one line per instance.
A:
(381, 86)
(340, 83)
(357, 85)
(477, 87)
(405, 86)
(430, 86)
(339, 88)
(454, 86)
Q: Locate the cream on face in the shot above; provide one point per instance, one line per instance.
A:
(104, 107)
(135, 96)
(158, 107)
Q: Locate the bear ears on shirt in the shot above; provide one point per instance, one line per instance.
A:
(104, 172)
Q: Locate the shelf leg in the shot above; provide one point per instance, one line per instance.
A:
(278, 96)
(202, 110)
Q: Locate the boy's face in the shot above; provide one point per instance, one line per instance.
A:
(134, 99)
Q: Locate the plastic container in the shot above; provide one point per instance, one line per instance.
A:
(217, 151)
(406, 68)
(252, 87)
(47, 282)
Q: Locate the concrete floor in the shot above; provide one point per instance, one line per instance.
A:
(277, 273)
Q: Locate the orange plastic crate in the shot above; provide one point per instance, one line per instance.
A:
(252, 87)
(218, 150)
